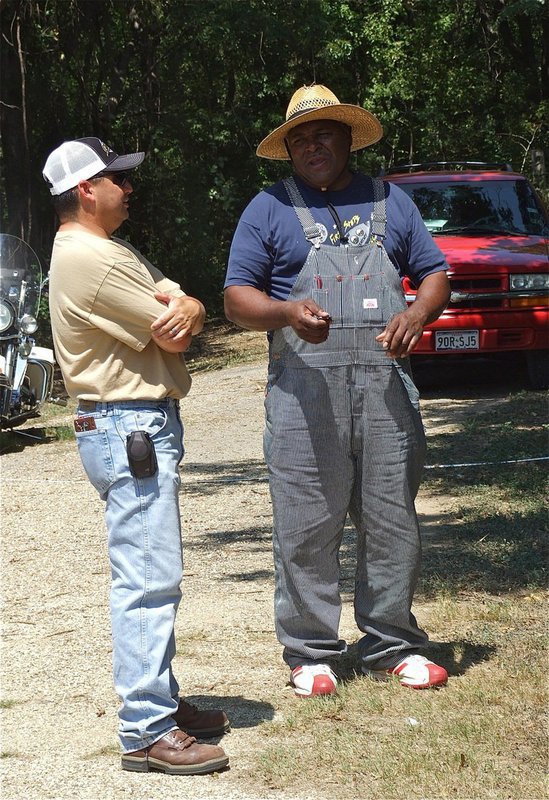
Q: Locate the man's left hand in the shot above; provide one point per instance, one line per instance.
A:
(183, 318)
(401, 334)
(404, 330)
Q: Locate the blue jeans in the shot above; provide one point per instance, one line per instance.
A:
(144, 541)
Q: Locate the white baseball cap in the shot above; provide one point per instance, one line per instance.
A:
(82, 159)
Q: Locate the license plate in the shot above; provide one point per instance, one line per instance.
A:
(456, 340)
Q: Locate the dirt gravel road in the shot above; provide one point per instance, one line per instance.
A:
(58, 706)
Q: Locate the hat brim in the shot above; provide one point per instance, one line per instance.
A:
(123, 163)
(366, 129)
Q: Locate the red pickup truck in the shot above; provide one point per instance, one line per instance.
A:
(493, 229)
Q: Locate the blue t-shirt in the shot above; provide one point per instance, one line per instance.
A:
(269, 247)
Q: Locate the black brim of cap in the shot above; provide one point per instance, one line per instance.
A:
(122, 163)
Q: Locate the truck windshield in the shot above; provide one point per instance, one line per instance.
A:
(500, 207)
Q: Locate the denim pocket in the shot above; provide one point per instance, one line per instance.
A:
(96, 456)
(148, 418)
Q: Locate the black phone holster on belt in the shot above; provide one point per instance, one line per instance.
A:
(141, 454)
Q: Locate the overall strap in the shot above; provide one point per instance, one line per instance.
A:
(379, 216)
(310, 228)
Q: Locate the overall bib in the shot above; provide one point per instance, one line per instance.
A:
(344, 436)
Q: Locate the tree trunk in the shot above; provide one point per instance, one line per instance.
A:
(13, 131)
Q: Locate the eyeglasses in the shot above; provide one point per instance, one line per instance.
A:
(118, 178)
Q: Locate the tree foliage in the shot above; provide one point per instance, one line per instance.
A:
(198, 84)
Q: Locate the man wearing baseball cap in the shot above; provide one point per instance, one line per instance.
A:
(120, 329)
(317, 260)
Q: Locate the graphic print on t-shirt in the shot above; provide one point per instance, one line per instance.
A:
(358, 232)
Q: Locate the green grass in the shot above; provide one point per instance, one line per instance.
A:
(109, 750)
(512, 429)
(482, 736)
(494, 536)
(222, 344)
(11, 441)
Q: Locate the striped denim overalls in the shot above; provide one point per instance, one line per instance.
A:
(344, 436)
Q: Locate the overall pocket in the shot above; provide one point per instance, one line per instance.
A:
(370, 295)
(327, 293)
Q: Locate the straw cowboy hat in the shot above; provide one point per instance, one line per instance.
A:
(318, 102)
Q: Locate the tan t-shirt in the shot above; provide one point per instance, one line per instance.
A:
(102, 304)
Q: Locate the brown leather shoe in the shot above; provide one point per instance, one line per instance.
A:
(176, 754)
(203, 724)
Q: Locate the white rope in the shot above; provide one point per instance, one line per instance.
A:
(188, 479)
(486, 463)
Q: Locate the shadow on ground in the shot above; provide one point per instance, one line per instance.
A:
(15, 441)
(211, 477)
(456, 656)
(464, 377)
(242, 712)
(498, 553)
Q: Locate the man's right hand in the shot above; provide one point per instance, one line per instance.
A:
(310, 322)
(253, 309)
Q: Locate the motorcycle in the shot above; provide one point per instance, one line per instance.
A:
(26, 370)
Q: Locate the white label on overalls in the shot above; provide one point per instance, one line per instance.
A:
(369, 302)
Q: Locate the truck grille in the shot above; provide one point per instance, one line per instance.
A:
(480, 285)
(476, 284)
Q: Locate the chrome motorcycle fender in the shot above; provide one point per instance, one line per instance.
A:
(40, 370)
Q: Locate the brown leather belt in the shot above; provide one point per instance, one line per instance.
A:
(93, 405)
(87, 405)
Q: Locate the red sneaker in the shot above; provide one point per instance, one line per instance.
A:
(310, 680)
(414, 671)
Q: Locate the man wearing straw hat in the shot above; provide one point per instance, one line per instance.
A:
(317, 260)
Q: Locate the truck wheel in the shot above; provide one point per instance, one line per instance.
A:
(538, 368)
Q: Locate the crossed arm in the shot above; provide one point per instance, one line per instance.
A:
(174, 329)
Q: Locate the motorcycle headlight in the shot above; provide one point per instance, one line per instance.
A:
(28, 323)
(24, 349)
(6, 316)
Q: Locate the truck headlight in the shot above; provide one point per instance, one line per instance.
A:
(6, 316)
(531, 281)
